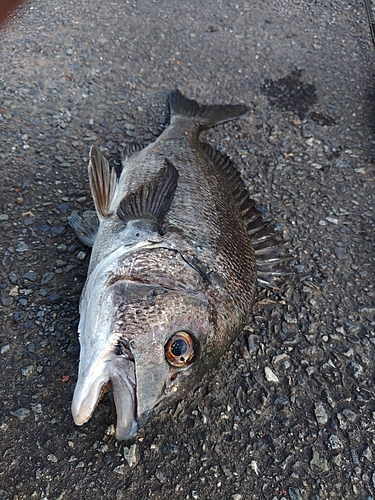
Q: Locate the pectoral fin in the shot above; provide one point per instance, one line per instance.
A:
(153, 199)
(85, 226)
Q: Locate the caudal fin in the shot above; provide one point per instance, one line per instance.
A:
(203, 115)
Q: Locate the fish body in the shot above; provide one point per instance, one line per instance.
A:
(178, 247)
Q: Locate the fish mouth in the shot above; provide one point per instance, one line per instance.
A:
(117, 375)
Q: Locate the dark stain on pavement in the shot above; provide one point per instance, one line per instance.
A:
(291, 94)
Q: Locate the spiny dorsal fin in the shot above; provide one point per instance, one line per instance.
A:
(85, 226)
(206, 116)
(102, 181)
(153, 199)
(132, 148)
(267, 245)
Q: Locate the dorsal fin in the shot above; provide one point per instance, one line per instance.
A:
(85, 226)
(153, 199)
(102, 181)
(132, 148)
(267, 245)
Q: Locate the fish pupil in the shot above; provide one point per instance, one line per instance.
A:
(179, 347)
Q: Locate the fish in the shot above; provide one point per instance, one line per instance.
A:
(178, 251)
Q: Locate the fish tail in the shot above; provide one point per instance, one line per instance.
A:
(203, 115)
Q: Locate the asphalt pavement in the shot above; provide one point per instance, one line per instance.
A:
(288, 413)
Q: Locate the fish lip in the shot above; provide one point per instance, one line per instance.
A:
(86, 398)
(119, 372)
(125, 402)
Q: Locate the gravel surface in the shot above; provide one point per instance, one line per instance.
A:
(289, 411)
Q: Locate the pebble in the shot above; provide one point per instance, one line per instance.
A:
(130, 455)
(14, 292)
(4, 217)
(332, 220)
(367, 453)
(22, 247)
(30, 275)
(334, 443)
(340, 253)
(349, 414)
(4, 349)
(81, 255)
(294, 494)
(321, 414)
(27, 371)
(18, 315)
(13, 277)
(46, 278)
(270, 376)
(21, 413)
(119, 469)
(280, 357)
(318, 462)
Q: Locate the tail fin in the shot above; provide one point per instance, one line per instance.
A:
(205, 116)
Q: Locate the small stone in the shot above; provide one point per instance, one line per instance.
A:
(14, 292)
(270, 376)
(280, 357)
(81, 255)
(18, 315)
(349, 414)
(7, 301)
(22, 247)
(30, 275)
(318, 462)
(130, 455)
(294, 494)
(57, 230)
(334, 443)
(349, 327)
(119, 469)
(52, 458)
(5, 348)
(356, 370)
(237, 496)
(3, 217)
(367, 454)
(26, 372)
(46, 278)
(255, 467)
(226, 471)
(21, 414)
(69, 52)
(332, 220)
(160, 475)
(13, 277)
(320, 414)
(289, 319)
(340, 253)
(54, 298)
(280, 401)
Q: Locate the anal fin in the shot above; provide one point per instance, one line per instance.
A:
(153, 199)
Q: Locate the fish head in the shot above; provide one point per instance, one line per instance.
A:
(147, 344)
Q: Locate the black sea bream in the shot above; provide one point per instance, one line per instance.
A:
(178, 249)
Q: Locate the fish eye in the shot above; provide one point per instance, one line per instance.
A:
(181, 349)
